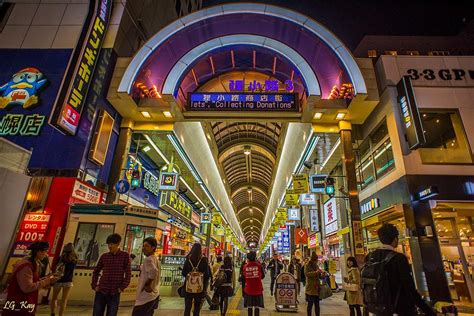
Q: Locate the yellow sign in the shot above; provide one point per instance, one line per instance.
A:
(343, 231)
(292, 198)
(300, 183)
(332, 266)
(358, 239)
(216, 218)
(281, 215)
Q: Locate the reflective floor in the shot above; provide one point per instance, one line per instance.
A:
(334, 305)
(174, 306)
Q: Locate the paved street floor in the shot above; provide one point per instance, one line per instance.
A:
(174, 306)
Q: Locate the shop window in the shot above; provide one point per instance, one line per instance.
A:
(91, 242)
(372, 53)
(464, 227)
(391, 52)
(374, 156)
(446, 141)
(134, 242)
(367, 172)
(413, 53)
(444, 228)
(383, 158)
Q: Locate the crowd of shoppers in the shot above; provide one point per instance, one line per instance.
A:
(112, 274)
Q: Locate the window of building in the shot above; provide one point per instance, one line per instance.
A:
(91, 242)
(413, 53)
(391, 52)
(372, 53)
(6, 9)
(374, 156)
(446, 141)
(134, 242)
(439, 53)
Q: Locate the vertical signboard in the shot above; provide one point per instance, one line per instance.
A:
(71, 100)
(33, 228)
(411, 120)
(330, 216)
(314, 219)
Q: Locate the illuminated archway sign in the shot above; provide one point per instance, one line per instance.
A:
(163, 66)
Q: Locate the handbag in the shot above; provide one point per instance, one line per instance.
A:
(181, 291)
(351, 287)
(325, 291)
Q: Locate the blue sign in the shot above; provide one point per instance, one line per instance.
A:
(283, 242)
(257, 102)
(268, 85)
(122, 186)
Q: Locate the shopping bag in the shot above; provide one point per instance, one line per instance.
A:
(325, 291)
(351, 287)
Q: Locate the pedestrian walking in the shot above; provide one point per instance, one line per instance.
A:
(216, 266)
(295, 270)
(65, 268)
(22, 293)
(148, 289)
(275, 266)
(313, 276)
(353, 289)
(386, 276)
(241, 277)
(226, 289)
(111, 277)
(253, 274)
(197, 273)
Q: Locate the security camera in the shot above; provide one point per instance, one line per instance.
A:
(308, 164)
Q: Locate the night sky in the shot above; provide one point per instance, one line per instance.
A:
(351, 20)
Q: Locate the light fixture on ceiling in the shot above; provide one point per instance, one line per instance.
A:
(208, 136)
(167, 114)
(251, 210)
(146, 148)
(318, 115)
(146, 114)
(340, 116)
(249, 190)
(247, 150)
(251, 220)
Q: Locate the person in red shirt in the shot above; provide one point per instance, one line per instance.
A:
(116, 272)
(253, 275)
(25, 282)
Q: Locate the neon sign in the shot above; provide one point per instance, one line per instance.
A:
(267, 86)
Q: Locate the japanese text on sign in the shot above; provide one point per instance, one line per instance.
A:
(20, 124)
(74, 101)
(287, 102)
(268, 85)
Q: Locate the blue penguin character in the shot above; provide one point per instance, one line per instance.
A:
(22, 89)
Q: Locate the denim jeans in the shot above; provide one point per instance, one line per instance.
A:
(102, 300)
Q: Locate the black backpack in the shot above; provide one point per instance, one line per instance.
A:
(376, 287)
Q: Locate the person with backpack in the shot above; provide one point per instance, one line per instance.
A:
(148, 289)
(253, 274)
(223, 284)
(352, 287)
(313, 286)
(387, 282)
(197, 274)
(65, 268)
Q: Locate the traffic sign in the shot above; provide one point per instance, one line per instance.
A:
(122, 186)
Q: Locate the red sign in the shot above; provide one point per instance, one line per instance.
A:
(87, 193)
(33, 228)
(301, 236)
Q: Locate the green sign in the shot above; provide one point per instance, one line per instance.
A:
(170, 201)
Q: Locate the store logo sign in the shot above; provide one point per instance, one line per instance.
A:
(170, 201)
(22, 91)
(369, 206)
(150, 182)
(330, 216)
(294, 214)
(268, 85)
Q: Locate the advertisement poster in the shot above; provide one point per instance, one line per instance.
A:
(330, 216)
(32, 229)
(285, 293)
(301, 236)
(300, 183)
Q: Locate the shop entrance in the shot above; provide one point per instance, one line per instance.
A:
(454, 226)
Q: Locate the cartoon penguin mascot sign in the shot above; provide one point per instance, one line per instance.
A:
(22, 89)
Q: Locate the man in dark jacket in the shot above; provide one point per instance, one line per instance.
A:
(399, 275)
(275, 266)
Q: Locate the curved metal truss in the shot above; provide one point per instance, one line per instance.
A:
(247, 153)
